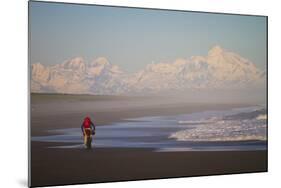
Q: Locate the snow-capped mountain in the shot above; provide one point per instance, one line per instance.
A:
(219, 69)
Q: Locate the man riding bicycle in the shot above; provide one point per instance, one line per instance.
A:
(88, 129)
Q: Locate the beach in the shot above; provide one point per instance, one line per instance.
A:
(53, 165)
(72, 166)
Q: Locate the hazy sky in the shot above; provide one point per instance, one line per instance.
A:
(132, 38)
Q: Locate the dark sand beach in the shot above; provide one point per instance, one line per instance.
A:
(72, 166)
(57, 166)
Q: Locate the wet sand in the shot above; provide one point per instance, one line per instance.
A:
(56, 166)
(72, 166)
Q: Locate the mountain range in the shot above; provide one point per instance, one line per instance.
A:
(220, 69)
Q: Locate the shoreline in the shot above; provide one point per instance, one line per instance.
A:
(58, 166)
(106, 117)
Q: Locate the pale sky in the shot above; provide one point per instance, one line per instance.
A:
(132, 38)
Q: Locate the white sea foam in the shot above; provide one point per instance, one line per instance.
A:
(262, 117)
(223, 130)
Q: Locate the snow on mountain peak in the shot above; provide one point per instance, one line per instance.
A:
(37, 67)
(116, 69)
(40, 73)
(220, 69)
(101, 61)
(215, 51)
(75, 63)
(180, 62)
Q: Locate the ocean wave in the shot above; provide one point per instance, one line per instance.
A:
(224, 130)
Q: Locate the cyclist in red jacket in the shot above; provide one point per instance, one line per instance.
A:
(88, 124)
(88, 129)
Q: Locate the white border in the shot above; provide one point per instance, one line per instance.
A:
(14, 92)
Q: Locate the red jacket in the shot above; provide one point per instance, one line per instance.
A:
(87, 123)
